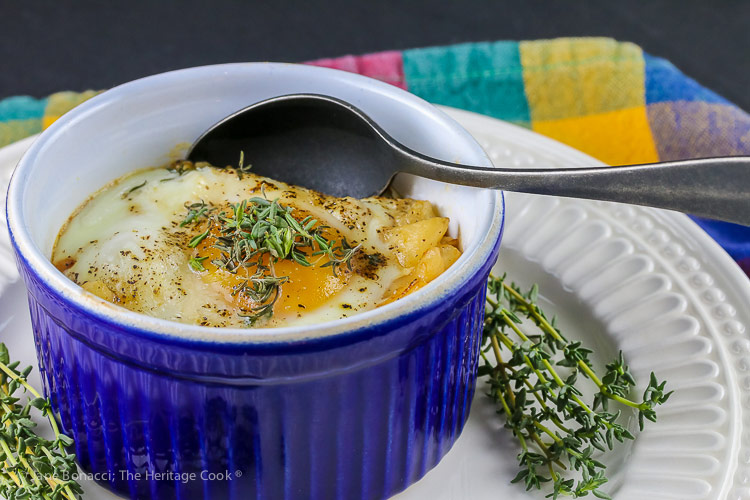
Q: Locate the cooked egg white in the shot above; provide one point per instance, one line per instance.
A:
(126, 245)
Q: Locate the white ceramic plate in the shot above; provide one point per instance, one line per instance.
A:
(648, 282)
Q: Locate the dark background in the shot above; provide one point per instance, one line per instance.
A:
(51, 45)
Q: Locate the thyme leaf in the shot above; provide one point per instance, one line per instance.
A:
(195, 241)
(197, 263)
(241, 167)
(134, 188)
(195, 212)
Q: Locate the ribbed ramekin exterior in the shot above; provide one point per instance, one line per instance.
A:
(365, 430)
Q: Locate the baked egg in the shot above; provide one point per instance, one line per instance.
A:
(227, 248)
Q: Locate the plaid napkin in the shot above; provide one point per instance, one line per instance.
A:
(606, 98)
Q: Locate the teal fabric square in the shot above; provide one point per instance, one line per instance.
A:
(483, 77)
(22, 108)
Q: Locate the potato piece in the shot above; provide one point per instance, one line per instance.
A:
(418, 210)
(438, 254)
(429, 267)
(402, 287)
(447, 240)
(450, 254)
(432, 264)
(411, 241)
(405, 211)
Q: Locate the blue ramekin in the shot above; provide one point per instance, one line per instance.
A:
(355, 408)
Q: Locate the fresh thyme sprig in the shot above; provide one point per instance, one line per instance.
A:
(33, 468)
(257, 233)
(543, 407)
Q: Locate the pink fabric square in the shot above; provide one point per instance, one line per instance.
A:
(386, 66)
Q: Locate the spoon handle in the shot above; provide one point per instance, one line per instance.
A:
(717, 188)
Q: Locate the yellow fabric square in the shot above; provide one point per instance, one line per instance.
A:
(616, 138)
(578, 77)
(62, 102)
(48, 120)
(15, 130)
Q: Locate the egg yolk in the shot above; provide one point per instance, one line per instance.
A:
(305, 288)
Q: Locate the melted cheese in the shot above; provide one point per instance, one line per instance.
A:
(126, 245)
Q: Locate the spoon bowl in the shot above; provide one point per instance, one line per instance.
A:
(315, 141)
(329, 145)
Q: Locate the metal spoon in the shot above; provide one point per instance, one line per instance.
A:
(324, 143)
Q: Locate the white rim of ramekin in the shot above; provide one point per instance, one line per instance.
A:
(464, 269)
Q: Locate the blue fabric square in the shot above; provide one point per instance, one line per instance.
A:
(665, 83)
(735, 239)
